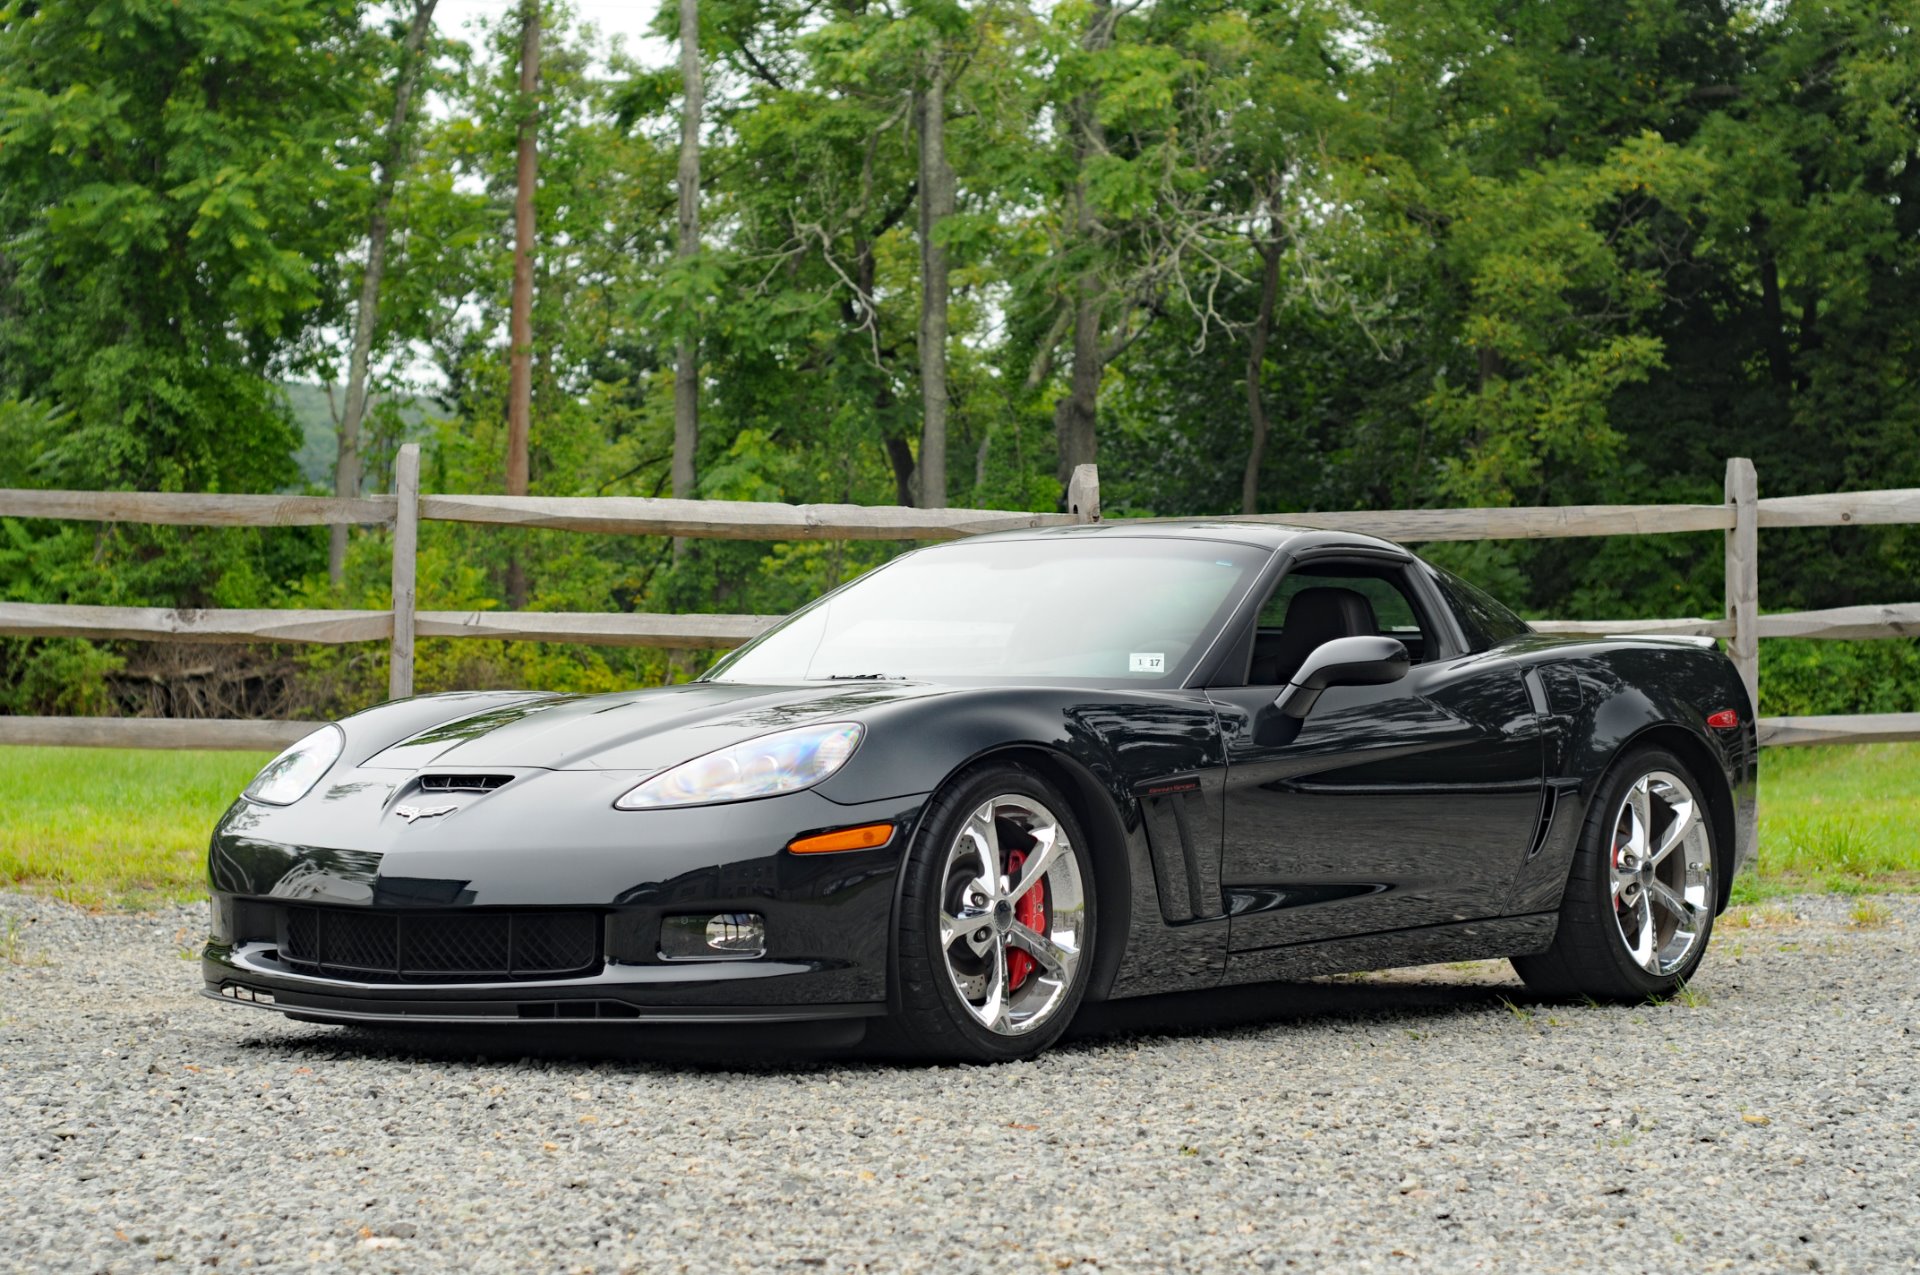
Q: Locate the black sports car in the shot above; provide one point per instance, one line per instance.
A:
(997, 778)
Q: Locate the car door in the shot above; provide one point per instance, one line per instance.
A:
(1394, 806)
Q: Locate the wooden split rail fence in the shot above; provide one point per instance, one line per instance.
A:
(1740, 518)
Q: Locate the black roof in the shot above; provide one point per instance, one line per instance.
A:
(1265, 535)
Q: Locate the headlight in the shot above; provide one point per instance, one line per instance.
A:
(288, 777)
(763, 767)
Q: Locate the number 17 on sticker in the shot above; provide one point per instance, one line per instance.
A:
(1147, 662)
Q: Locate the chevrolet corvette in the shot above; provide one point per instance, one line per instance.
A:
(996, 779)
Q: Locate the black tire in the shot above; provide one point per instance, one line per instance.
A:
(1591, 956)
(931, 1018)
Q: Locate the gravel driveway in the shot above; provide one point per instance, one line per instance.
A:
(1431, 1119)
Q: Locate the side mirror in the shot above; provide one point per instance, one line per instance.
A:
(1347, 661)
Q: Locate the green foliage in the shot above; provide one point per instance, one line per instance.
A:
(1800, 676)
(66, 677)
(1550, 254)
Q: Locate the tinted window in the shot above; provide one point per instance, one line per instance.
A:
(1277, 650)
(1111, 610)
(1391, 608)
(1485, 622)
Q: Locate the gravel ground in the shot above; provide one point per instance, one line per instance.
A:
(1429, 1119)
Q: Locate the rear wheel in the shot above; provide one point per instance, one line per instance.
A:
(1640, 898)
(997, 919)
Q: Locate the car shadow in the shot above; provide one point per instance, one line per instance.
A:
(806, 1046)
(1271, 1004)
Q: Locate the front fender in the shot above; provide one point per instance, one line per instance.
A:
(1099, 747)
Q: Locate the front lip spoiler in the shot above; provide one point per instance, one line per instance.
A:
(336, 1008)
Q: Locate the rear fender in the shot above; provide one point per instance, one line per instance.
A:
(1607, 698)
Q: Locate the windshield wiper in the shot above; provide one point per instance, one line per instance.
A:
(863, 677)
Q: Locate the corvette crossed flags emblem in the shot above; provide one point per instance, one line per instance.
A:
(411, 813)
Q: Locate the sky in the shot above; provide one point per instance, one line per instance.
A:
(614, 17)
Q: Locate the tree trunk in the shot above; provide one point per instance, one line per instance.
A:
(900, 457)
(686, 374)
(346, 471)
(937, 200)
(1076, 416)
(1256, 359)
(520, 323)
(1779, 356)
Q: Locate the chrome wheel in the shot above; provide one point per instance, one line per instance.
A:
(1662, 872)
(1012, 914)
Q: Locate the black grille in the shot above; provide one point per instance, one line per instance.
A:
(408, 947)
(463, 783)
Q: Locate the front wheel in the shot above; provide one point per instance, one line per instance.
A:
(1641, 894)
(997, 919)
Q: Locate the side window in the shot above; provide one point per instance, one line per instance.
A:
(1347, 599)
(1392, 610)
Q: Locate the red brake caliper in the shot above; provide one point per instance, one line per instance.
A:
(1030, 911)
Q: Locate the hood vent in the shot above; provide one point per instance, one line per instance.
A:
(463, 783)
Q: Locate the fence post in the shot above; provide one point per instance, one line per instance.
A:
(1743, 574)
(406, 544)
(1083, 493)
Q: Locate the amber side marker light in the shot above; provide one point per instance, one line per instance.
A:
(865, 837)
(1725, 719)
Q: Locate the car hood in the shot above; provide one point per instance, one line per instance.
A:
(633, 730)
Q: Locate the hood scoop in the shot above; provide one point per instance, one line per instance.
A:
(463, 782)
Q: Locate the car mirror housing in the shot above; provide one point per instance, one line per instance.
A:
(1347, 661)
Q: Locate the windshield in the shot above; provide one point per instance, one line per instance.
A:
(1112, 611)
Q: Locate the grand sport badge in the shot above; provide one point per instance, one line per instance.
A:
(411, 813)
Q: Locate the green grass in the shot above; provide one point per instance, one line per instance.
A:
(108, 827)
(126, 827)
(1841, 818)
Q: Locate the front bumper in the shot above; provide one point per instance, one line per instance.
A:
(251, 974)
(828, 917)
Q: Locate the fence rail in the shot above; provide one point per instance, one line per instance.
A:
(1740, 518)
(593, 628)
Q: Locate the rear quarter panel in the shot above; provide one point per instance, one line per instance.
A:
(1606, 696)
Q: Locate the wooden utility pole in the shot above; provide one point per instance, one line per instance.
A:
(1076, 414)
(346, 471)
(520, 322)
(686, 363)
(937, 198)
(1269, 250)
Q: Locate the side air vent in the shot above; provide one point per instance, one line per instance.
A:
(1549, 799)
(1178, 830)
(463, 783)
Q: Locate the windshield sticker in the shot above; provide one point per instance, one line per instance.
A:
(1147, 662)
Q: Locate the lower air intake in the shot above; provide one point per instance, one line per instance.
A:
(425, 947)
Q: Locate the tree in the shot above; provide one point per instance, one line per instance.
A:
(397, 144)
(1076, 415)
(1267, 247)
(686, 363)
(936, 206)
(157, 184)
(520, 329)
